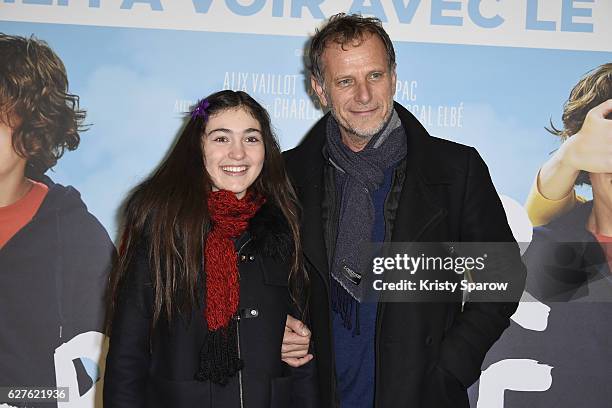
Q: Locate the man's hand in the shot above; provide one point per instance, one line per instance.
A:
(590, 149)
(295, 343)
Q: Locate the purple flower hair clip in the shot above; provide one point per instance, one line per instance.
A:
(200, 110)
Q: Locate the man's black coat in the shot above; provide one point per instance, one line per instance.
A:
(427, 354)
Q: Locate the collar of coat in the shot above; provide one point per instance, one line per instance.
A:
(270, 233)
(420, 151)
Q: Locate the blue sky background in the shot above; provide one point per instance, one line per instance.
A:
(130, 79)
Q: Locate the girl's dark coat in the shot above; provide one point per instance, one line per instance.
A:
(157, 369)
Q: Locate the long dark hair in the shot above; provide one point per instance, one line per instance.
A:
(168, 210)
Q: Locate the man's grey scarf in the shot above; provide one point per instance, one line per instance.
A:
(359, 174)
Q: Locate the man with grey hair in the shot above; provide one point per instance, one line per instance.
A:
(368, 172)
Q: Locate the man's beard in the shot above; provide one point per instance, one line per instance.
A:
(361, 134)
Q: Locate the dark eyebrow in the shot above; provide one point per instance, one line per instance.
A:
(342, 77)
(225, 130)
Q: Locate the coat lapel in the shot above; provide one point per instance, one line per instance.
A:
(308, 180)
(418, 209)
(312, 224)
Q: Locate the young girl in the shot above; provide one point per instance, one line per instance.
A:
(209, 267)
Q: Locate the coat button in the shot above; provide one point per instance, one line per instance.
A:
(248, 313)
(251, 258)
(428, 340)
(243, 258)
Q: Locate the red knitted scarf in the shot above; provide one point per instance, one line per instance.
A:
(230, 218)
(219, 355)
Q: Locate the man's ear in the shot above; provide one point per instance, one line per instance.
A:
(318, 88)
